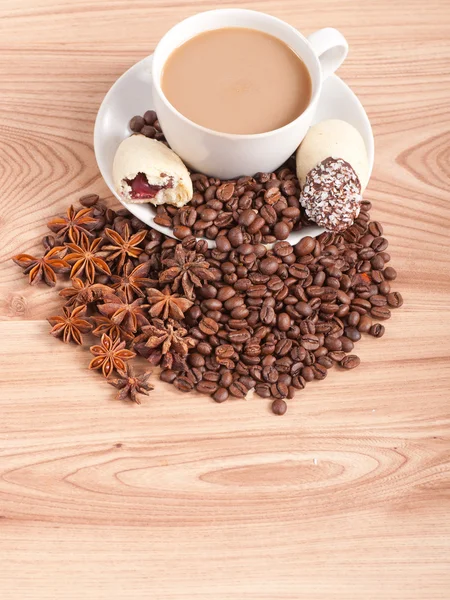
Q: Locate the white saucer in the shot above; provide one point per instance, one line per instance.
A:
(131, 95)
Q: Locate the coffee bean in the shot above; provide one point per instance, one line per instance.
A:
(283, 250)
(365, 323)
(366, 253)
(299, 271)
(279, 390)
(350, 362)
(223, 243)
(220, 395)
(256, 291)
(268, 213)
(226, 379)
(181, 232)
(381, 313)
(353, 318)
(283, 347)
(309, 342)
(137, 123)
(379, 244)
(376, 229)
(378, 300)
(384, 287)
(183, 384)
(377, 330)
(307, 373)
(269, 265)
(149, 131)
(347, 344)
(272, 195)
(285, 378)
(238, 389)
(267, 315)
(325, 361)
(361, 305)
(247, 381)
(208, 326)
(281, 230)
(188, 216)
(269, 374)
(224, 351)
(329, 308)
(240, 336)
(211, 303)
(395, 299)
(305, 246)
(367, 240)
(196, 360)
(168, 375)
(307, 327)
(291, 212)
(211, 376)
(279, 407)
(353, 334)
(377, 262)
(89, 200)
(320, 372)
(333, 344)
(256, 225)
(150, 117)
(225, 191)
(390, 273)
(206, 387)
(337, 356)
(235, 237)
(262, 390)
(283, 322)
(164, 221)
(303, 309)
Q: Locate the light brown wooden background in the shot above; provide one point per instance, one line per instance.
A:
(346, 497)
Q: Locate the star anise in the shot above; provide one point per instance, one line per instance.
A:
(123, 246)
(106, 325)
(170, 336)
(132, 280)
(129, 385)
(130, 315)
(164, 343)
(71, 325)
(165, 304)
(45, 267)
(85, 258)
(73, 224)
(109, 355)
(83, 293)
(186, 270)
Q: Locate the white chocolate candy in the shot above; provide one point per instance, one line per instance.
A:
(145, 170)
(336, 139)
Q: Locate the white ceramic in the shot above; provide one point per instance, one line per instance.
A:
(226, 155)
(131, 95)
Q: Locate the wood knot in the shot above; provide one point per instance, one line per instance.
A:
(17, 305)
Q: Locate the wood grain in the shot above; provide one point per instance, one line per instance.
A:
(347, 496)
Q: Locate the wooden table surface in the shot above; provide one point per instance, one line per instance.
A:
(347, 496)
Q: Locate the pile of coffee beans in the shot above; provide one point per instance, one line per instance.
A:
(265, 206)
(275, 320)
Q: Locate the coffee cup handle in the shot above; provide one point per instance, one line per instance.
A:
(330, 47)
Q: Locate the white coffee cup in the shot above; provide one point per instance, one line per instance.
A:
(227, 155)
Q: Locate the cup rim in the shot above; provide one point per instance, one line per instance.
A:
(239, 136)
